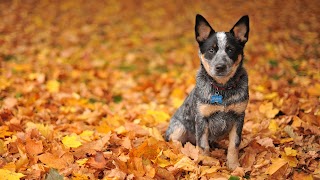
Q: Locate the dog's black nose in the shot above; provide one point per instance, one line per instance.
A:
(221, 67)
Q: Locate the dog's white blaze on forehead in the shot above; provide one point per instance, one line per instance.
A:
(222, 40)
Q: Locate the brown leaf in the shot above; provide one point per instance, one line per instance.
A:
(190, 151)
(98, 161)
(55, 161)
(266, 142)
(34, 147)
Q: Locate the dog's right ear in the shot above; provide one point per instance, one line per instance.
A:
(202, 29)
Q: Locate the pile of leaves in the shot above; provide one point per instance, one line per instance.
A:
(87, 89)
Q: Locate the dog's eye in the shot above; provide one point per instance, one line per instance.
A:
(211, 51)
(229, 50)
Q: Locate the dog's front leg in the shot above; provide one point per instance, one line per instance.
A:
(234, 142)
(202, 134)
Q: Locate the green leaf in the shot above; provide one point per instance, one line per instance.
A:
(234, 178)
(54, 175)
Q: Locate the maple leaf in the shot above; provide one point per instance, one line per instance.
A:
(268, 110)
(54, 161)
(6, 174)
(71, 141)
(33, 147)
(159, 116)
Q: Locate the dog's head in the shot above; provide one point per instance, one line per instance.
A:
(221, 53)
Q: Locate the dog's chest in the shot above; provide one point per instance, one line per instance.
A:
(220, 124)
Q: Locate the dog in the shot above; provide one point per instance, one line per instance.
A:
(216, 106)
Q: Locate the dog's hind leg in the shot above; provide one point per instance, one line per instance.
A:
(177, 132)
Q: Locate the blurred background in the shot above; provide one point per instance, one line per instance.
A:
(143, 54)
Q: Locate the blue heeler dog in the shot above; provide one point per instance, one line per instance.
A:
(216, 106)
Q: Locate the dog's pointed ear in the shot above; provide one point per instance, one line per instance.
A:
(202, 29)
(241, 30)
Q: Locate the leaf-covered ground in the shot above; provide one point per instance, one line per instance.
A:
(88, 87)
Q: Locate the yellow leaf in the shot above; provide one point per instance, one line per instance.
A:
(159, 116)
(71, 141)
(276, 165)
(81, 162)
(290, 152)
(260, 88)
(4, 131)
(86, 135)
(292, 160)
(186, 164)
(268, 110)
(6, 174)
(53, 86)
(120, 130)
(273, 126)
(161, 161)
(78, 176)
(3, 147)
(271, 96)
(282, 141)
(177, 102)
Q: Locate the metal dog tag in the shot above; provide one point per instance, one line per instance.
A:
(216, 98)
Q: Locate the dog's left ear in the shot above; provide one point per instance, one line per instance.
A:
(241, 30)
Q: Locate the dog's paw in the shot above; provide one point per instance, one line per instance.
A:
(233, 165)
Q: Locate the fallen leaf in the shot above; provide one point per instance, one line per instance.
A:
(266, 142)
(98, 161)
(186, 164)
(154, 132)
(159, 116)
(6, 174)
(273, 126)
(290, 152)
(275, 166)
(54, 175)
(55, 161)
(53, 86)
(81, 162)
(71, 141)
(190, 151)
(268, 110)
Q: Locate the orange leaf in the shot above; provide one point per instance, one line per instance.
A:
(98, 161)
(276, 165)
(55, 161)
(33, 147)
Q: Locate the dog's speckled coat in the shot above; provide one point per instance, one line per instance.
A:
(200, 121)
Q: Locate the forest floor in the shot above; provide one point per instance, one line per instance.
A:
(87, 89)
